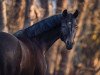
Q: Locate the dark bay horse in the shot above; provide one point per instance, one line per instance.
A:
(23, 53)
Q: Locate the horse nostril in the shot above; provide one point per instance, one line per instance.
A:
(68, 43)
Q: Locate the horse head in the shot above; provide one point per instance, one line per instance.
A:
(68, 28)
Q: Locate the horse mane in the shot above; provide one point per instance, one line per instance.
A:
(40, 27)
(43, 25)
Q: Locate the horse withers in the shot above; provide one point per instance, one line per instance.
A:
(23, 53)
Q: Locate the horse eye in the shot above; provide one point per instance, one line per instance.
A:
(76, 26)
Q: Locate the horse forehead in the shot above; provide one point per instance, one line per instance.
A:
(69, 18)
(70, 15)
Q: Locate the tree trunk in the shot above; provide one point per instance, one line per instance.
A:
(3, 17)
(37, 11)
(27, 21)
(17, 15)
(52, 7)
(61, 5)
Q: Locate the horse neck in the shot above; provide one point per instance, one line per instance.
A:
(45, 31)
(46, 39)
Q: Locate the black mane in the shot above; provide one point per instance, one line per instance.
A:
(44, 25)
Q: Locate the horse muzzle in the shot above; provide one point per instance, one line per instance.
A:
(69, 45)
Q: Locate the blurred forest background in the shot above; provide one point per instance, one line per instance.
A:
(84, 58)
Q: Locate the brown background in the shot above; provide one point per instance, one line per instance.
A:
(84, 58)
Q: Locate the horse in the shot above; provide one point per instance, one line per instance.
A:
(23, 53)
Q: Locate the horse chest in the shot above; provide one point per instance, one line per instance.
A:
(40, 63)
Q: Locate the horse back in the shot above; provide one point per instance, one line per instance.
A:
(8, 42)
(10, 54)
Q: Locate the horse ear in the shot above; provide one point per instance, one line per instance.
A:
(64, 13)
(76, 13)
